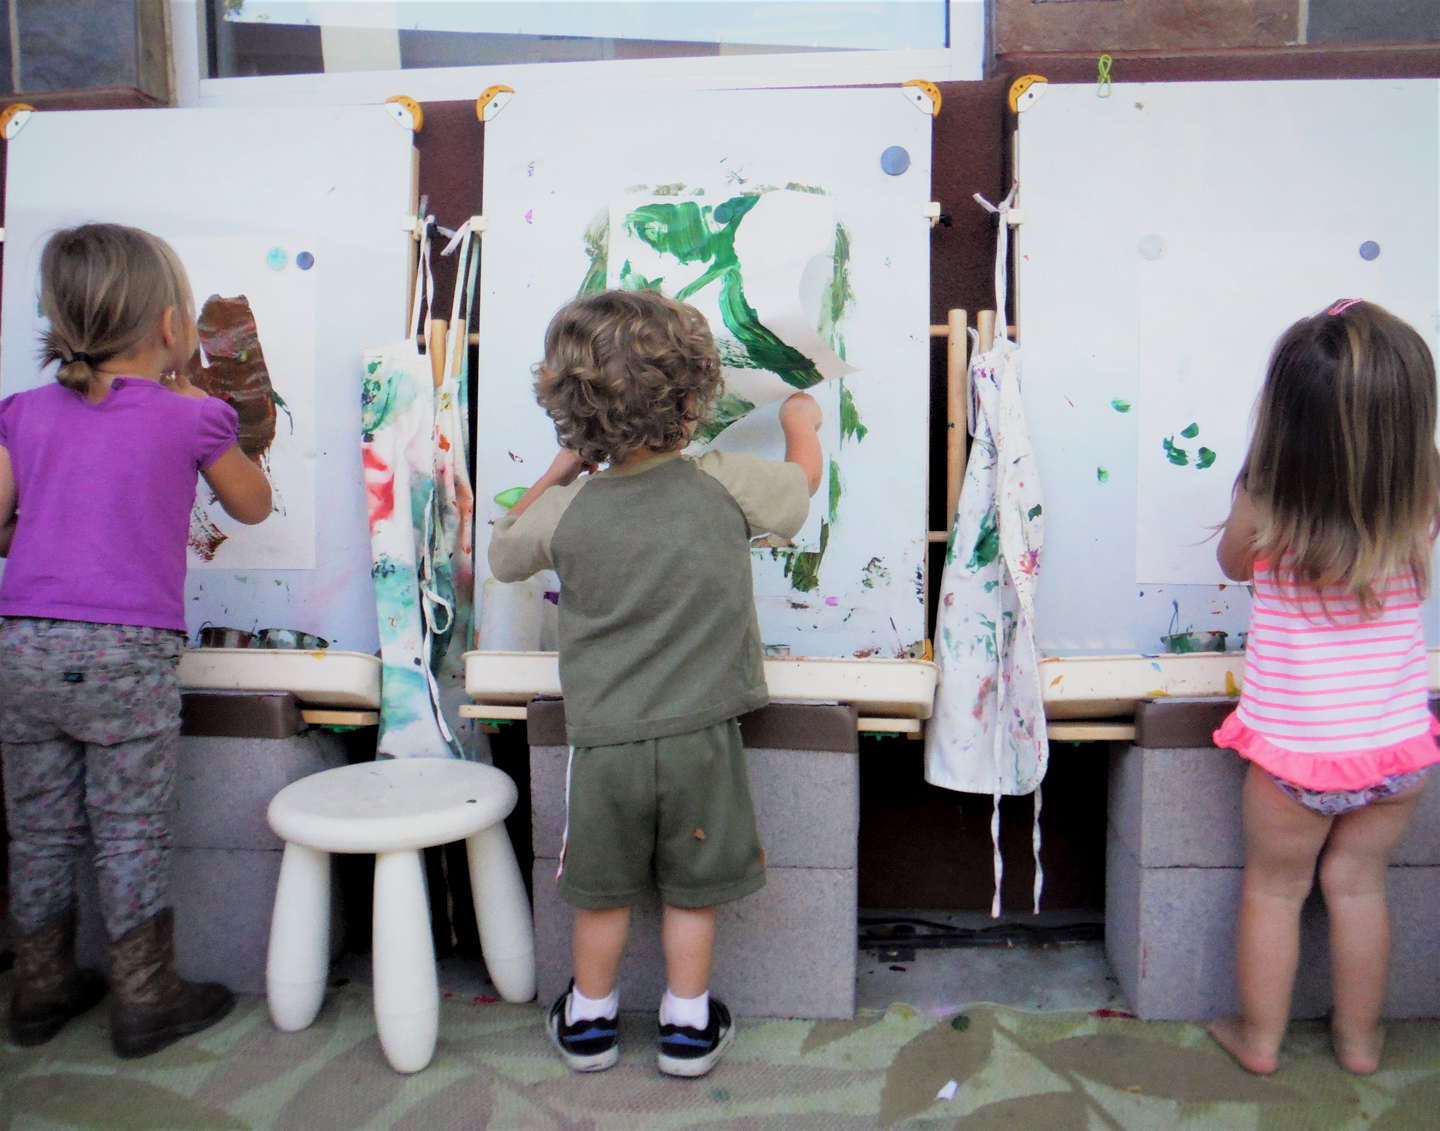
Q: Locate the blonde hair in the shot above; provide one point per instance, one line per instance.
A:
(1342, 468)
(104, 289)
(626, 371)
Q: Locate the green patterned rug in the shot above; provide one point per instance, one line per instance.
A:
(494, 1069)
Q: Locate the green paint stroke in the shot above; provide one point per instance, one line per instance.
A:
(838, 296)
(1205, 457)
(1102, 474)
(632, 280)
(723, 412)
(987, 545)
(850, 426)
(669, 190)
(795, 186)
(835, 491)
(694, 234)
(874, 573)
(1191, 432)
(597, 247)
(802, 567)
(1178, 456)
(1120, 406)
(508, 499)
(1034, 512)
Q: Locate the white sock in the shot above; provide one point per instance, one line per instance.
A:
(689, 1012)
(582, 1008)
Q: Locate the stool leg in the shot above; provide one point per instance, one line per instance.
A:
(507, 936)
(299, 958)
(407, 993)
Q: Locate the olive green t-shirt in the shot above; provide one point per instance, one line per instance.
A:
(657, 626)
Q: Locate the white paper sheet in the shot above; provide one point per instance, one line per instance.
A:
(283, 303)
(1212, 306)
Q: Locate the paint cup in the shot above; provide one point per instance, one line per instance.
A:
(290, 638)
(1184, 643)
(215, 636)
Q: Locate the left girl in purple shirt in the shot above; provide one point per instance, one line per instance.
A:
(97, 478)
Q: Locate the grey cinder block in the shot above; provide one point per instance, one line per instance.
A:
(807, 804)
(1178, 808)
(788, 950)
(1170, 936)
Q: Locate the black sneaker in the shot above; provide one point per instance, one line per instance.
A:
(586, 1046)
(693, 1052)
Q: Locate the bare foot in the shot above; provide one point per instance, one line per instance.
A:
(1229, 1034)
(1359, 1053)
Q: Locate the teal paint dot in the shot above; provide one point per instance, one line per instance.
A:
(1119, 405)
(304, 260)
(1191, 432)
(276, 258)
(722, 213)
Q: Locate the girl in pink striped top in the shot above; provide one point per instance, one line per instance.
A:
(1334, 519)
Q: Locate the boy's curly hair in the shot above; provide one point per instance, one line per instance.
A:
(625, 371)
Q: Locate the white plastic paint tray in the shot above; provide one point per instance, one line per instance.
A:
(329, 678)
(1102, 687)
(890, 688)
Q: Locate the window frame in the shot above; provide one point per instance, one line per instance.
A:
(964, 59)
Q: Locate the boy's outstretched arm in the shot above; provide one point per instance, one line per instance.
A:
(561, 473)
(800, 419)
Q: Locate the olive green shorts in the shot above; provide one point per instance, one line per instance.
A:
(673, 812)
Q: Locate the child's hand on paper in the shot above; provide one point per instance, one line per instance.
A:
(800, 411)
(800, 418)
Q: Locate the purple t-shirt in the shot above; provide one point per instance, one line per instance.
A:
(104, 493)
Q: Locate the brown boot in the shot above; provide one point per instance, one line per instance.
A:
(49, 988)
(155, 1007)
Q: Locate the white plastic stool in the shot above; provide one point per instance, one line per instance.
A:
(394, 809)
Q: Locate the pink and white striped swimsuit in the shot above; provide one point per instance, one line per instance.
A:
(1333, 702)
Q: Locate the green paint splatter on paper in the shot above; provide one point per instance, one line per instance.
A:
(1178, 456)
(802, 567)
(835, 491)
(1102, 474)
(1035, 511)
(597, 247)
(874, 574)
(987, 545)
(669, 190)
(632, 280)
(723, 412)
(838, 295)
(1120, 406)
(795, 186)
(1190, 432)
(508, 499)
(850, 426)
(1206, 458)
(692, 233)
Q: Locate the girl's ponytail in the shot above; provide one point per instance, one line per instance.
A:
(104, 289)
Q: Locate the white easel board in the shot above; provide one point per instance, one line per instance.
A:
(228, 186)
(1171, 233)
(565, 181)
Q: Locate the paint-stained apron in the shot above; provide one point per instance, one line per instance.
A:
(988, 731)
(398, 448)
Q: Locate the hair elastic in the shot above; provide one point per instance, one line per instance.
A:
(78, 356)
(1343, 305)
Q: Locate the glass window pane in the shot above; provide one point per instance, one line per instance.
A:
(258, 37)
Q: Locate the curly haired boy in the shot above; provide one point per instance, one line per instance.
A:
(659, 650)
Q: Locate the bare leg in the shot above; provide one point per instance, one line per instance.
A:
(599, 945)
(1282, 841)
(1352, 876)
(689, 938)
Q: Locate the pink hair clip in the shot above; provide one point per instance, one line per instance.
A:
(1343, 305)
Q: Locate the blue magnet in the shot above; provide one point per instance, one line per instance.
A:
(304, 260)
(895, 160)
(1369, 250)
(276, 258)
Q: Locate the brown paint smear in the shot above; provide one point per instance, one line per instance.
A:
(236, 373)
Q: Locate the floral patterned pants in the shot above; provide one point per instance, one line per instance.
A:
(90, 727)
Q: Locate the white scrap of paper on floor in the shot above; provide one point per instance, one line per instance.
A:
(948, 1091)
(283, 303)
(1212, 307)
